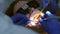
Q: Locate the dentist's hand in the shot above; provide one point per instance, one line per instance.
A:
(51, 26)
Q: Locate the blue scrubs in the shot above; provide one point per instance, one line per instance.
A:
(51, 26)
(44, 2)
(52, 6)
(19, 19)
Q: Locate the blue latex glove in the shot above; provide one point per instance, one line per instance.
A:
(19, 19)
(51, 26)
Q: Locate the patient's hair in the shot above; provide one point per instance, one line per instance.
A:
(9, 11)
(32, 3)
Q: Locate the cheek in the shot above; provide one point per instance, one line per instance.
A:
(32, 9)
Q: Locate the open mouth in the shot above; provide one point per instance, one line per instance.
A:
(34, 19)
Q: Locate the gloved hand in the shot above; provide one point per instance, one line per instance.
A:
(19, 19)
(51, 26)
